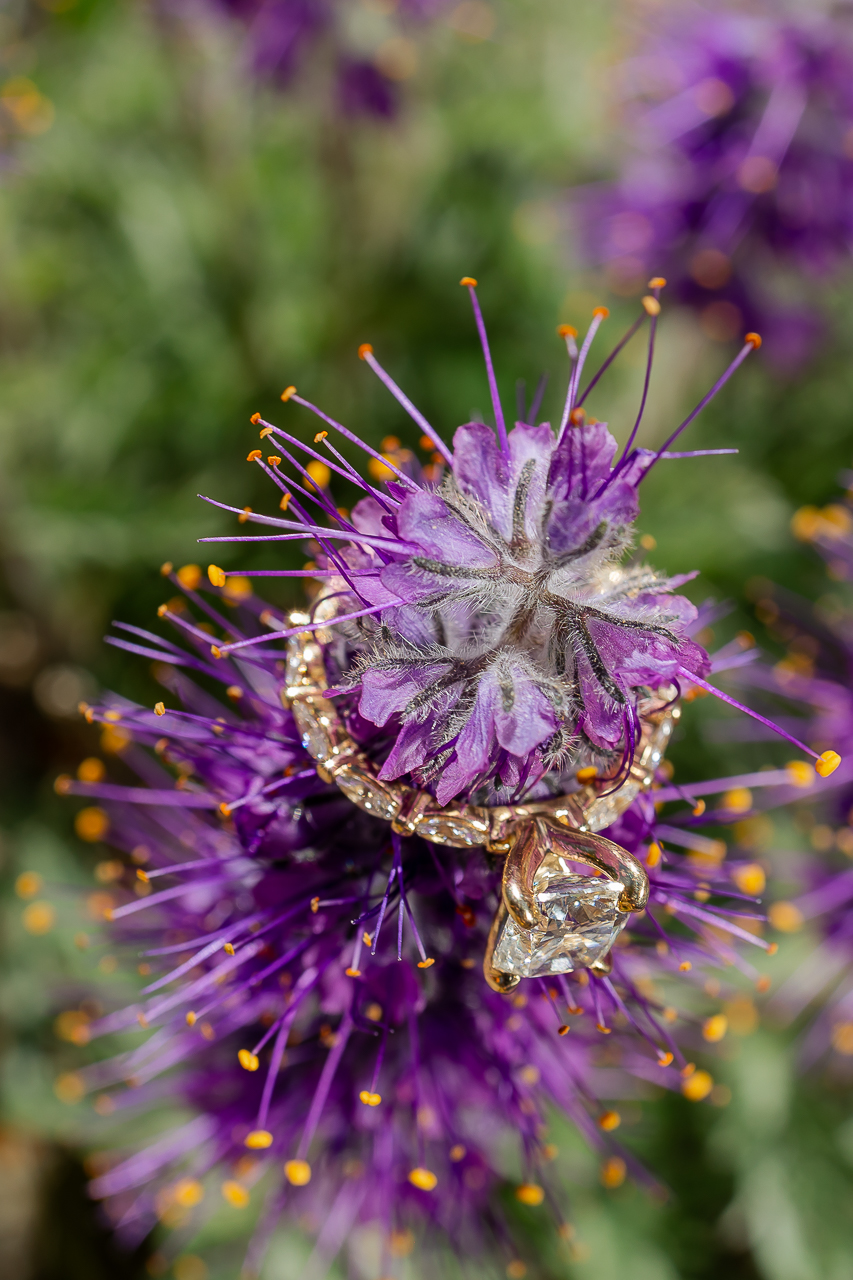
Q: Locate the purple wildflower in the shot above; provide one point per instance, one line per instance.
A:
(314, 988)
(741, 166)
(283, 36)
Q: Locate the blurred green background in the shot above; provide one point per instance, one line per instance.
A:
(179, 240)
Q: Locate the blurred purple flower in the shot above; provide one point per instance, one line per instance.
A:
(314, 990)
(740, 169)
(284, 35)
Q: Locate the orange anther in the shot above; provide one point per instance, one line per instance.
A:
(754, 339)
(657, 282)
(159, 708)
(254, 456)
(216, 575)
(225, 810)
(365, 350)
(264, 432)
(827, 763)
(567, 331)
(274, 460)
(651, 306)
(320, 437)
(604, 312)
(288, 392)
(469, 280)
(255, 418)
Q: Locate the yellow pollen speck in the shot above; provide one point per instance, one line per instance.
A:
(319, 473)
(28, 884)
(609, 1120)
(785, 917)
(370, 1099)
(191, 1019)
(91, 824)
(188, 1193)
(288, 392)
(653, 856)
(423, 1179)
(613, 1172)
(216, 575)
(69, 1088)
(91, 769)
(469, 280)
(248, 1061)
(738, 800)
(39, 918)
(800, 773)
(827, 763)
(586, 775)
(228, 949)
(365, 350)
(530, 1193)
(425, 964)
(457, 1152)
(750, 879)
(236, 1195)
(298, 1172)
(258, 1139)
(651, 306)
(685, 966)
(189, 576)
(159, 708)
(715, 1028)
(697, 1086)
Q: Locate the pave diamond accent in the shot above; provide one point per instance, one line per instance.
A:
(583, 918)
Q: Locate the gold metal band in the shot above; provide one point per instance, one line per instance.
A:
(524, 832)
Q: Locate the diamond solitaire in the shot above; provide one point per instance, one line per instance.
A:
(582, 917)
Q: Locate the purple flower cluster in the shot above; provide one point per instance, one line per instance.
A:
(740, 168)
(314, 991)
(283, 36)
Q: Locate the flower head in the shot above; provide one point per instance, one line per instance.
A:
(314, 988)
(740, 165)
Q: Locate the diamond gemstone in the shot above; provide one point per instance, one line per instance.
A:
(583, 918)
